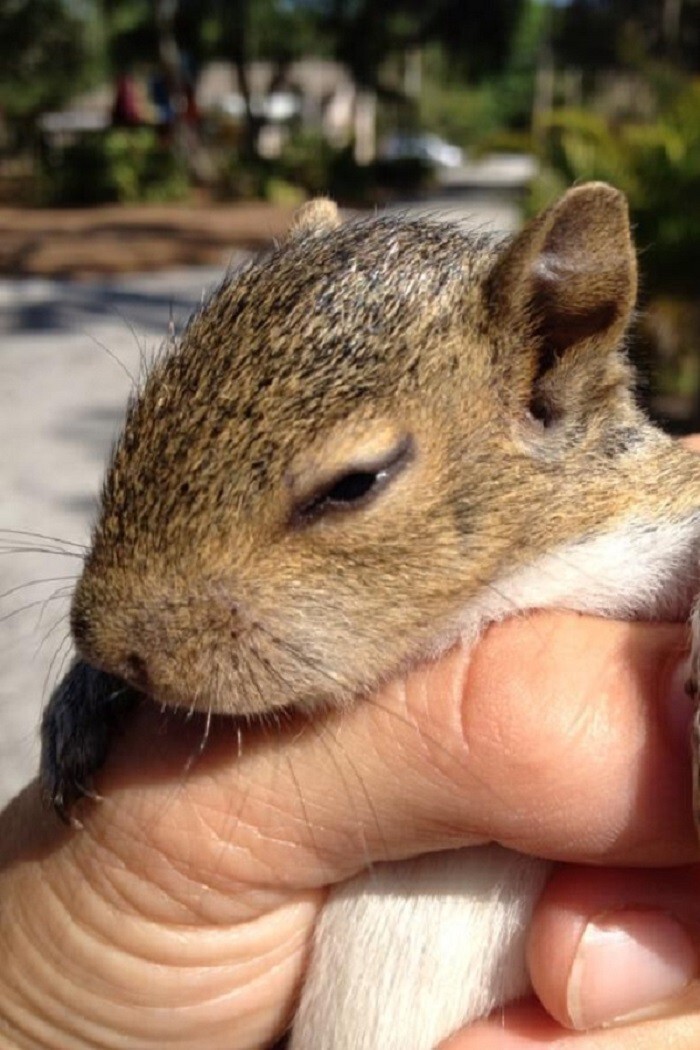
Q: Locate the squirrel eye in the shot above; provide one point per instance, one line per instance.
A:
(354, 488)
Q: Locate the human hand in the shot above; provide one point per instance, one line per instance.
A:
(181, 915)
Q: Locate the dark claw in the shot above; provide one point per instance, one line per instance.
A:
(84, 711)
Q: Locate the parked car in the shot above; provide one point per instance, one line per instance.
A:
(421, 146)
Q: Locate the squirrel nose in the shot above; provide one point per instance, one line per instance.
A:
(125, 662)
(136, 672)
(147, 633)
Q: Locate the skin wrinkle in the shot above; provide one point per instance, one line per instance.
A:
(333, 731)
(367, 796)
(351, 738)
(254, 833)
(141, 881)
(442, 756)
(114, 873)
(428, 728)
(102, 926)
(322, 805)
(355, 819)
(27, 1028)
(179, 892)
(447, 832)
(174, 1015)
(233, 875)
(418, 741)
(293, 947)
(20, 1043)
(51, 1006)
(346, 838)
(21, 980)
(75, 919)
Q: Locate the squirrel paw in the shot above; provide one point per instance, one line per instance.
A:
(76, 729)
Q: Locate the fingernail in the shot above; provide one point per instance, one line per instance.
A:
(680, 706)
(626, 964)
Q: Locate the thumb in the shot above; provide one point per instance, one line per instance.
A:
(613, 945)
(552, 737)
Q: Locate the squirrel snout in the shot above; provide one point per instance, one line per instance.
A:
(152, 637)
(113, 642)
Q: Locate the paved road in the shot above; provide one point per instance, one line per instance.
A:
(480, 209)
(67, 351)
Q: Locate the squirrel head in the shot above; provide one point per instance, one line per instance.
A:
(353, 437)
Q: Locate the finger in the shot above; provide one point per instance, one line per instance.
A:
(109, 942)
(557, 736)
(610, 944)
(528, 1027)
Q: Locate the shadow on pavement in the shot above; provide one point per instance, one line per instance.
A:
(61, 306)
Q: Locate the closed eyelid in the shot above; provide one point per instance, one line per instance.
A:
(310, 503)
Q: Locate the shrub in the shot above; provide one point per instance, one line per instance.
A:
(308, 166)
(656, 164)
(115, 166)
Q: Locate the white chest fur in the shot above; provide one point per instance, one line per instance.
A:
(640, 571)
(407, 952)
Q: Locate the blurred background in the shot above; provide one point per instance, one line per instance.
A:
(145, 145)
(485, 109)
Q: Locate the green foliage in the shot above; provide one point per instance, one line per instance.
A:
(461, 113)
(595, 34)
(467, 113)
(129, 33)
(308, 164)
(580, 145)
(656, 164)
(46, 53)
(124, 166)
(307, 161)
(278, 30)
(243, 178)
(513, 90)
(504, 140)
(477, 36)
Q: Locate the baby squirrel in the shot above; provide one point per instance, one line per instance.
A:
(376, 439)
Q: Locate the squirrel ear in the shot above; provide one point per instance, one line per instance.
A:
(317, 215)
(571, 274)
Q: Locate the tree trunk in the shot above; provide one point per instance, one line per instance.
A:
(171, 63)
(671, 25)
(235, 24)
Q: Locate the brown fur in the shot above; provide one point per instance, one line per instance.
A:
(501, 364)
